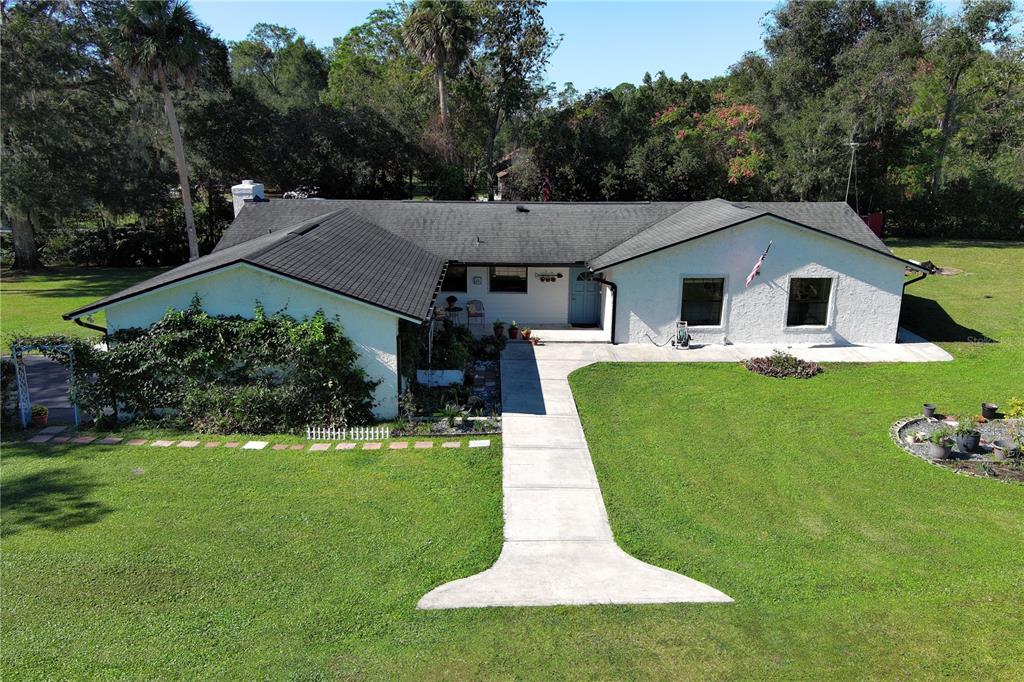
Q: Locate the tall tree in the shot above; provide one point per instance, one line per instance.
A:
(441, 33)
(284, 70)
(957, 45)
(515, 46)
(160, 41)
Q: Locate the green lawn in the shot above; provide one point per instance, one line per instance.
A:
(846, 556)
(32, 304)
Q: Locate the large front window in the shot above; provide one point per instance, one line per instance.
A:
(808, 301)
(508, 279)
(702, 301)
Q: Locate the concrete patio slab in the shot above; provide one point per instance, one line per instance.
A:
(188, 444)
(136, 441)
(319, 447)
(255, 445)
(345, 446)
(41, 438)
(423, 445)
(543, 468)
(51, 430)
(162, 443)
(479, 443)
(109, 440)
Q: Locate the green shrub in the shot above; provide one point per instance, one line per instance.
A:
(268, 374)
(1015, 408)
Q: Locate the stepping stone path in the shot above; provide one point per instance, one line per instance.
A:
(47, 435)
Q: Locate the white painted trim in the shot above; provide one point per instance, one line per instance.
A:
(723, 314)
(830, 315)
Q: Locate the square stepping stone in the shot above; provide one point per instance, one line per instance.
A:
(255, 445)
(51, 430)
(109, 440)
(297, 446)
(279, 446)
(232, 444)
(188, 444)
(137, 441)
(371, 446)
(83, 440)
(423, 445)
(479, 443)
(39, 439)
(319, 447)
(345, 446)
(451, 444)
(161, 443)
(213, 444)
(398, 445)
(59, 439)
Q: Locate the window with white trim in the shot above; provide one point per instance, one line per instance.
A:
(702, 301)
(808, 301)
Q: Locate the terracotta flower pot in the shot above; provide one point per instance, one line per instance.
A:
(40, 419)
(513, 332)
(527, 333)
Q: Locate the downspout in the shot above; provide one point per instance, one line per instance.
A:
(916, 279)
(615, 302)
(89, 325)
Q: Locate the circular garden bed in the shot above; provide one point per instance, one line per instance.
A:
(913, 433)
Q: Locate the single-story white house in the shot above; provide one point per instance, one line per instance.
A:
(611, 272)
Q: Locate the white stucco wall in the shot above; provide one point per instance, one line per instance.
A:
(864, 307)
(543, 302)
(236, 291)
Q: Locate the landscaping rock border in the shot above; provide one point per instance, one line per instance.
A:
(978, 464)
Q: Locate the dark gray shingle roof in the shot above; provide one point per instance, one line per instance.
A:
(339, 251)
(391, 253)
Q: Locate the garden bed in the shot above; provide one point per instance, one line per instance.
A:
(906, 434)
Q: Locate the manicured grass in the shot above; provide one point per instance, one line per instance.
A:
(145, 562)
(32, 304)
(847, 558)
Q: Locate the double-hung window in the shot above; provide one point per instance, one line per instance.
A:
(702, 301)
(808, 301)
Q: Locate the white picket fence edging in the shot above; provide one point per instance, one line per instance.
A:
(354, 433)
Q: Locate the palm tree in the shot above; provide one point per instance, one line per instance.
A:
(162, 42)
(441, 34)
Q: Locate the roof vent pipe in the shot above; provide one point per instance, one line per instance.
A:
(246, 191)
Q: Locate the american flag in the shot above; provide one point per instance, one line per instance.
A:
(757, 266)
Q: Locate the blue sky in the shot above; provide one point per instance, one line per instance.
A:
(604, 43)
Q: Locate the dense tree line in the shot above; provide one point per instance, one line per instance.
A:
(116, 114)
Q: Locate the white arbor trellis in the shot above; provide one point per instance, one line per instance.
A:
(18, 350)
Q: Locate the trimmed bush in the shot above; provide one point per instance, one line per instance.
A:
(781, 365)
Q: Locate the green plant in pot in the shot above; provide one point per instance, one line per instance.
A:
(967, 436)
(940, 443)
(526, 333)
(499, 328)
(513, 330)
(40, 415)
(1008, 448)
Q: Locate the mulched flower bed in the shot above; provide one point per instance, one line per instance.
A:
(981, 463)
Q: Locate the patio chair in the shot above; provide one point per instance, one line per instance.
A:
(475, 311)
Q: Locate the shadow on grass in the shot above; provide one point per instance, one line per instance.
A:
(928, 319)
(49, 500)
(91, 282)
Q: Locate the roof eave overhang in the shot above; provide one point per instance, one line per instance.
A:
(769, 214)
(95, 307)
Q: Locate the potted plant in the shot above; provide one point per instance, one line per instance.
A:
(940, 444)
(499, 328)
(535, 340)
(967, 435)
(1008, 448)
(40, 415)
(513, 330)
(526, 333)
(929, 410)
(989, 410)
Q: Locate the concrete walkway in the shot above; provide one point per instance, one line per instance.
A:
(558, 545)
